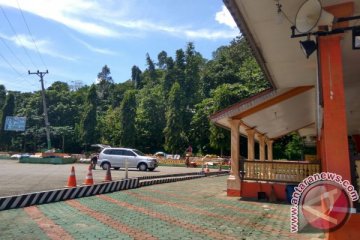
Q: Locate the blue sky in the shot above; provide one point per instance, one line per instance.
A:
(76, 38)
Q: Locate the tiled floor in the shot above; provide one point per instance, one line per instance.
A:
(195, 209)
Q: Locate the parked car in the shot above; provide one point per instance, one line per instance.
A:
(20, 155)
(95, 155)
(160, 154)
(117, 157)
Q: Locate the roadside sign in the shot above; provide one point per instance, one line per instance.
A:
(15, 124)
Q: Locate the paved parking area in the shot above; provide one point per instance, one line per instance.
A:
(19, 178)
(195, 209)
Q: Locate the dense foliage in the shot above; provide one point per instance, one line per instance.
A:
(163, 107)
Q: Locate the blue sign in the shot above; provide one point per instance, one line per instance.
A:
(15, 124)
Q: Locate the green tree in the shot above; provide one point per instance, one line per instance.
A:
(175, 136)
(104, 75)
(87, 127)
(175, 96)
(108, 127)
(150, 68)
(7, 110)
(192, 92)
(29, 105)
(295, 148)
(136, 77)
(169, 78)
(200, 126)
(104, 88)
(2, 95)
(62, 110)
(64, 132)
(252, 76)
(127, 113)
(224, 96)
(231, 64)
(193, 61)
(150, 120)
(162, 59)
(91, 97)
(118, 92)
(180, 68)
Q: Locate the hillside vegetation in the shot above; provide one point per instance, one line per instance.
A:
(163, 107)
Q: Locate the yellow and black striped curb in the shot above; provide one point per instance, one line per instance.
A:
(218, 173)
(171, 175)
(56, 195)
(149, 182)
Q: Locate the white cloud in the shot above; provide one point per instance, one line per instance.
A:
(206, 34)
(79, 15)
(224, 17)
(95, 49)
(103, 18)
(179, 31)
(44, 46)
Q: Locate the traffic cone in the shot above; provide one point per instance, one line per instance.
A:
(89, 178)
(108, 177)
(207, 168)
(72, 178)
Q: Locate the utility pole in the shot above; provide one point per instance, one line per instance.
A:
(47, 124)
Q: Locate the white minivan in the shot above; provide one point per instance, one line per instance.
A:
(117, 157)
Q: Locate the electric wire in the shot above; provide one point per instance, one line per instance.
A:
(32, 38)
(16, 35)
(21, 85)
(14, 69)
(22, 76)
(12, 52)
(10, 65)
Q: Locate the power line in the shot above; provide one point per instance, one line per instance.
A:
(14, 69)
(20, 84)
(16, 35)
(47, 124)
(10, 50)
(8, 63)
(27, 26)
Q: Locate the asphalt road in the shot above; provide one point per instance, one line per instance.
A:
(18, 178)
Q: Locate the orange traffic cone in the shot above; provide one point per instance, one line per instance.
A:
(89, 178)
(207, 168)
(108, 177)
(72, 178)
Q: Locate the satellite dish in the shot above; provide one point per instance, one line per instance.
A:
(311, 15)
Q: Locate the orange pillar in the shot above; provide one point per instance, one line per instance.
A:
(334, 135)
(261, 138)
(269, 144)
(233, 181)
(251, 143)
